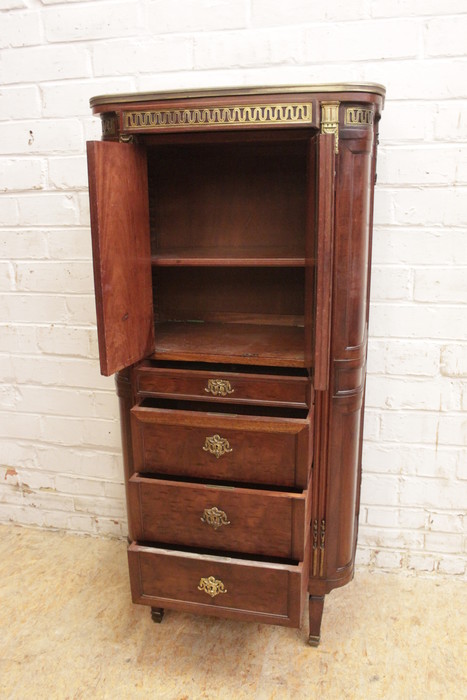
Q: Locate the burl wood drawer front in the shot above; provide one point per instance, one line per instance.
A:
(274, 451)
(224, 386)
(251, 521)
(220, 586)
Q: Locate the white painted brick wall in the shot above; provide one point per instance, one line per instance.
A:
(60, 464)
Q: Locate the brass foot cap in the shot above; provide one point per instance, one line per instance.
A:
(313, 640)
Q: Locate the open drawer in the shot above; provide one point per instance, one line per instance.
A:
(252, 521)
(259, 385)
(217, 585)
(222, 442)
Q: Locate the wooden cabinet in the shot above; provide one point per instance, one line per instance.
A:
(232, 242)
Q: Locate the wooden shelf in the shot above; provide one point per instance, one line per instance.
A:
(243, 343)
(229, 257)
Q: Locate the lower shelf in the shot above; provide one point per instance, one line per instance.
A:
(220, 586)
(245, 343)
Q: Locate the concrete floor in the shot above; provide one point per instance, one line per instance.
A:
(69, 631)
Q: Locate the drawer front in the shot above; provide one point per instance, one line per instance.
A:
(220, 586)
(222, 447)
(226, 387)
(232, 519)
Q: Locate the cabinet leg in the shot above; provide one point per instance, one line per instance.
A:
(316, 605)
(157, 614)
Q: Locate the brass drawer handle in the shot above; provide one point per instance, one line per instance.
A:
(215, 517)
(212, 586)
(217, 446)
(219, 387)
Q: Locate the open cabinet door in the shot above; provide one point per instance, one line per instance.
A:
(118, 191)
(324, 222)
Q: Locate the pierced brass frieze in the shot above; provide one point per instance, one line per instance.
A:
(219, 387)
(211, 586)
(330, 121)
(358, 116)
(287, 113)
(217, 445)
(215, 517)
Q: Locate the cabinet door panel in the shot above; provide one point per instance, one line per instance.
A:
(118, 194)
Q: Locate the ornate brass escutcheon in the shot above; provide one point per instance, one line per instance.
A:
(215, 517)
(212, 586)
(219, 387)
(217, 446)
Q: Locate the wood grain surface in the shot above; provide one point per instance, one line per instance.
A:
(121, 253)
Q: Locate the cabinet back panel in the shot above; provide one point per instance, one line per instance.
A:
(238, 195)
(263, 295)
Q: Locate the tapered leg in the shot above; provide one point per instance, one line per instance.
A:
(316, 605)
(157, 614)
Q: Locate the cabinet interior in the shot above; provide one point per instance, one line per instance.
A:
(232, 266)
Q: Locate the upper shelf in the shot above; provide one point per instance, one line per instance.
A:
(230, 257)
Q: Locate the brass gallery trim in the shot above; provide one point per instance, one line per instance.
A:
(229, 116)
(357, 116)
(330, 121)
(372, 88)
